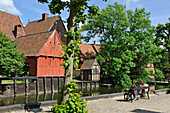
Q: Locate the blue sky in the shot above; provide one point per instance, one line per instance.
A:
(32, 10)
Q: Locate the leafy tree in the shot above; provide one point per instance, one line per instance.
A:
(163, 40)
(11, 60)
(90, 55)
(76, 9)
(127, 41)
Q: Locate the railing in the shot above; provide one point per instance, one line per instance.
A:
(37, 86)
(42, 84)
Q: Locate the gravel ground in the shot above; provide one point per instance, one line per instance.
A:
(158, 103)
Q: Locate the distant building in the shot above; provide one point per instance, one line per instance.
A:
(88, 53)
(90, 70)
(11, 25)
(150, 68)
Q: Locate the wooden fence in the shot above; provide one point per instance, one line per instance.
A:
(42, 84)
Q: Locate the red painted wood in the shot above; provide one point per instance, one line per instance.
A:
(48, 58)
(33, 65)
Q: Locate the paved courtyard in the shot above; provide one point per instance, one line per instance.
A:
(158, 103)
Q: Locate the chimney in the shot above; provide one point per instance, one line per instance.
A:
(44, 16)
(17, 31)
(95, 42)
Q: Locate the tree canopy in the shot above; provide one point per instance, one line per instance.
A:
(163, 40)
(127, 42)
(11, 60)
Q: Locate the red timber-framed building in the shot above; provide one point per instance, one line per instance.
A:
(42, 45)
(40, 40)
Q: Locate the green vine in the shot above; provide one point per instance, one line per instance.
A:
(74, 103)
(73, 46)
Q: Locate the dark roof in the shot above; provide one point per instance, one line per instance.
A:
(8, 23)
(43, 25)
(86, 48)
(88, 63)
(47, 25)
(31, 44)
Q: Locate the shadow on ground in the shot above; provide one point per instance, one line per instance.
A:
(34, 107)
(143, 111)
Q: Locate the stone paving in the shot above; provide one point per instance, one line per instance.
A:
(158, 103)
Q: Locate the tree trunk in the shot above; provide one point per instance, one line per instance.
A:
(69, 74)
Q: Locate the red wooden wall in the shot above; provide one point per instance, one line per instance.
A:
(49, 67)
(47, 61)
(33, 65)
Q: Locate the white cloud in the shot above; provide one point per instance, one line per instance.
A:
(8, 5)
(130, 3)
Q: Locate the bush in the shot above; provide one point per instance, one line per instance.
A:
(74, 103)
(11, 60)
(168, 91)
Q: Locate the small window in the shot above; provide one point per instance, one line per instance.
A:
(96, 70)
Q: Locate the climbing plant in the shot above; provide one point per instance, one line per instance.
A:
(74, 103)
(76, 9)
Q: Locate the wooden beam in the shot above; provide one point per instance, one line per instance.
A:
(52, 85)
(37, 86)
(44, 85)
(26, 87)
(15, 87)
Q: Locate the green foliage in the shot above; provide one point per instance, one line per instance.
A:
(76, 6)
(11, 60)
(127, 42)
(74, 103)
(163, 40)
(159, 74)
(90, 55)
(73, 46)
(168, 91)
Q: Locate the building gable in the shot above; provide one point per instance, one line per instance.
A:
(11, 25)
(52, 47)
(32, 44)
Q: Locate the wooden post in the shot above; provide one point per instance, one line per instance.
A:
(44, 84)
(52, 85)
(58, 83)
(82, 85)
(26, 86)
(91, 84)
(37, 86)
(52, 96)
(26, 99)
(15, 87)
(86, 84)
(37, 97)
(45, 97)
(0, 87)
(95, 84)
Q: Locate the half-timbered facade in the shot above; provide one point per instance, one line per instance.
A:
(42, 45)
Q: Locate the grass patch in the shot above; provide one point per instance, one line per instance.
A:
(12, 81)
